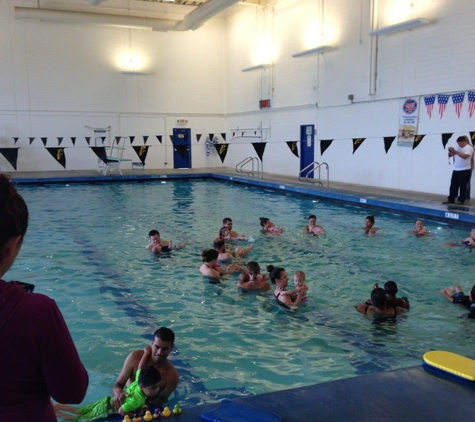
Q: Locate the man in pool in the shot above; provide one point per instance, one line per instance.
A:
(162, 345)
(456, 295)
(228, 224)
(158, 244)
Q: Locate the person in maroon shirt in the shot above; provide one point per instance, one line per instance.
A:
(39, 360)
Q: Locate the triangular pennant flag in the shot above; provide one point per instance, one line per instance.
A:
(59, 141)
(222, 150)
(324, 144)
(472, 137)
(198, 137)
(131, 139)
(73, 140)
(145, 139)
(417, 140)
(259, 147)
(159, 137)
(11, 154)
(182, 150)
(172, 139)
(388, 141)
(457, 99)
(31, 140)
(103, 139)
(211, 136)
(357, 143)
(223, 135)
(141, 152)
(44, 140)
(16, 140)
(101, 153)
(293, 147)
(445, 138)
(88, 140)
(58, 155)
(234, 133)
(117, 140)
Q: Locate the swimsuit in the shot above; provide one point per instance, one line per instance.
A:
(281, 303)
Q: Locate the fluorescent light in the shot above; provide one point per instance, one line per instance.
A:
(131, 72)
(401, 26)
(320, 49)
(255, 67)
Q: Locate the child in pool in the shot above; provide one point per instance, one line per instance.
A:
(228, 255)
(369, 225)
(299, 285)
(390, 288)
(269, 227)
(157, 244)
(312, 227)
(456, 295)
(470, 241)
(419, 229)
(211, 268)
(146, 385)
(252, 279)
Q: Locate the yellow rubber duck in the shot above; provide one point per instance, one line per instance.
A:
(126, 418)
(166, 412)
(148, 416)
(177, 409)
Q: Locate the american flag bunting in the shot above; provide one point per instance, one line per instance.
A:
(442, 100)
(457, 99)
(429, 102)
(471, 103)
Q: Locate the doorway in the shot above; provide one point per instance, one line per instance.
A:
(182, 148)
(307, 149)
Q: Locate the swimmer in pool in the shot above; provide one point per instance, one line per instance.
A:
(419, 229)
(379, 306)
(252, 279)
(269, 227)
(456, 295)
(369, 225)
(157, 244)
(390, 287)
(312, 227)
(279, 279)
(211, 268)
(228, 255)
(470, 241)
(231, 234)
(299, 284)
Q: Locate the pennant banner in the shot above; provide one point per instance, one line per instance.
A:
(429, 102)
(16, 140)
(388, 141)
(44, 140)
(11, 154)
(223, 135)
(88, 140)
(73, 140)
(293, 147)
(142, 152)
(172, 139)
(101, 153)
(145, 139)
(357, 143)
(211, 136)
(417, 140)
(131, 139)
(198, 137)
(259, 147)
(442, 100)
(159, 137)
(60, 140)
(445, 138)
(324, 144)
(222, 150)
(58, 155)
(31, 140)
(471, 103)
(457, 99)
(117, 140)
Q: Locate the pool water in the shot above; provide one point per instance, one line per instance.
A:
(85, 248)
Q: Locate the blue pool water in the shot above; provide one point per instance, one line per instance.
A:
(85, 248)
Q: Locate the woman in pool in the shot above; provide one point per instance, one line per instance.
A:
(211, 268)
(419, 229)
(279, 279)
(252, 279)
(269, 227)
(312, 227)
(369, 225)
(379, 306)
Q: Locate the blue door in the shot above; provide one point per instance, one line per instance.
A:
(307, 148)
(182, 148)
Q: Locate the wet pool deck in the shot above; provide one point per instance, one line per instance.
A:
(412, 394)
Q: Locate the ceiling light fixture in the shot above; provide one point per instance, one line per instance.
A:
(315, 50)
(255, 67)
(401, 26)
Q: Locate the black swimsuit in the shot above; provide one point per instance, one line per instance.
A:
(281, 303)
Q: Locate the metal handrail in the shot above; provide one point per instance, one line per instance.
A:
(315, 166)
(241, 164)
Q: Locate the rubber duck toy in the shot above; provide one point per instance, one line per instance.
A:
(166, 412)
(137, 419)
(148, 416)
(126, 418)
(157, 414)
(177, 409)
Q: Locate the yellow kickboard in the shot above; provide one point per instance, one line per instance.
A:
(451, 362)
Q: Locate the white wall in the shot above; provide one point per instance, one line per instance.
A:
(58, 78)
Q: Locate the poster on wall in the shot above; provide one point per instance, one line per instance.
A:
(408, 121)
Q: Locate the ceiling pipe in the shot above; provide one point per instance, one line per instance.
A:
(192, 21)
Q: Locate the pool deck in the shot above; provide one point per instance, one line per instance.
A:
(412, 394)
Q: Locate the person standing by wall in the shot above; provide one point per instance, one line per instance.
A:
(462, 154)
(39, 358)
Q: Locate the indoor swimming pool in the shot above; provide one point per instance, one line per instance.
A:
(85, 247)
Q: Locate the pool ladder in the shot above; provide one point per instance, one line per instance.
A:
(255, 170)
(312, 168)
